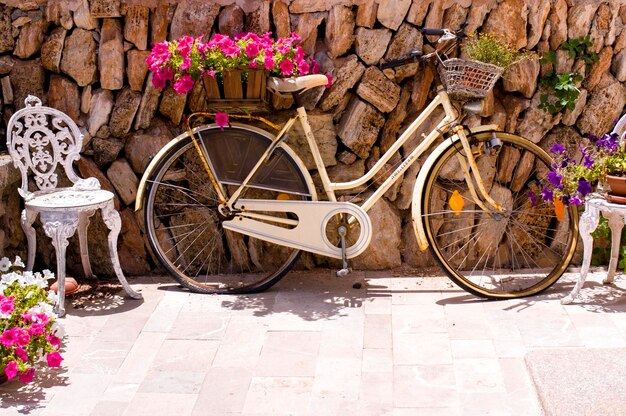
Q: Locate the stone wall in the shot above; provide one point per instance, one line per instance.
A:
(86, 58)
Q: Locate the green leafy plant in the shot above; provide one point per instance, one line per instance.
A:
(563, 86)
(489, 48)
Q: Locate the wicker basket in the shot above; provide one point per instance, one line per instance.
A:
(240, 90)
(466, 79)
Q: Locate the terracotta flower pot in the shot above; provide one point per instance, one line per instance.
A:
(618, 189)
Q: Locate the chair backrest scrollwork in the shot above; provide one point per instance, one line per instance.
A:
(43, 140)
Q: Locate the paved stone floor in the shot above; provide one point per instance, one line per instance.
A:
(315, 345)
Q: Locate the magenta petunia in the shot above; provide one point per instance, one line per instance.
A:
(286, 67)
(221, 119)
(23, 336)
(27, 376)
(54, 359)
(7, 305)
(330, 81)
(303, 68)
(252, 49)
(159, 80)
(184, 84)
(21, 354)
(54, 341)
(36, 329)
(185, 46)
(9, 337)
(11, 370)
(269, 63)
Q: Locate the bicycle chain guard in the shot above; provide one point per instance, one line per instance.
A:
(307, 232)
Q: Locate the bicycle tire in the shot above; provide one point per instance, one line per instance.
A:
(498, 255)
(183, 224)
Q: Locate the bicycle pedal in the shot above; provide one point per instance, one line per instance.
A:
(343, 272)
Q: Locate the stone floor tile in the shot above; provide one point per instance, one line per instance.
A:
(413, 349)
(331, 403)
(339, 375)
(472, 348)
(519, 387)
(342, 341)
(429, 386)
(418, 319)
(120, 391)
(199, 325)
(223, 391)
(377, 360)
(288, 354)
(558, 331)
(185, 355)
(241, 344)
(151, 404)
(376, 390)
(597, 330)
(427, 411)
(377, 304)
(278, 396)
(140, 357)
(173, 382)
(166, 312)
(484, 403)
(108, 408)
(103, 356)
(88, 387)
(377, 331)
(479, 375)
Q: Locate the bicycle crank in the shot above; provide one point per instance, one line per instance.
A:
(302, 224)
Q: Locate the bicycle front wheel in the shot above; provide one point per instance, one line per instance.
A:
(517, 252)
(184, 225)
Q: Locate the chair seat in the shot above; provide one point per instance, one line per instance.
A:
(68, 199)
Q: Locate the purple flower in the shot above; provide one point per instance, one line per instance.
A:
(584, 187)
(547, 194)
(608, 142)
(554, 178)
(588, 161)
(575, 201)
(558, 149)
(533, 198)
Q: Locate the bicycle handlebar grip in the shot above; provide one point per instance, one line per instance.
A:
(436, 32)
(392, 64)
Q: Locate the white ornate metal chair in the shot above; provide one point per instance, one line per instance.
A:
(44, 140)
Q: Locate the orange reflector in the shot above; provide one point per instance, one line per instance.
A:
(282, 197)
(559, 209)
(456, 203)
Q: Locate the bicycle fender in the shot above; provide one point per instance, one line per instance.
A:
(416, 205)
(143, 184)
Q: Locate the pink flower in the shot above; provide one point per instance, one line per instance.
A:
(159, 80)
(21, 354)
(286, 67)
(330, 80)
(268, 62)
(184, 84)
(23, 336)
(11, 370)
(54, 359)
(186, 63)
(159, 55)
(185, 46)
(231, 51)
(221, 119)
(36, 329)
(303, 68)
(54, 341)
(27, 376)
(9, 337)
(252, 49)
(210, 73)
(315, 69)
(295, 37)
(253, 64)
(7, 305)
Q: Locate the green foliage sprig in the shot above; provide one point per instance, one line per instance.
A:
(489, 48)
(562, 86)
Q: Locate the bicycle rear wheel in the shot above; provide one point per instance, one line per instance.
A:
(184, 225)
(518, 252)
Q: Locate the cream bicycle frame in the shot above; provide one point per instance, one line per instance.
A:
(468, 163)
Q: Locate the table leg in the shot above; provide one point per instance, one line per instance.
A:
(616, 223)
(588, 222)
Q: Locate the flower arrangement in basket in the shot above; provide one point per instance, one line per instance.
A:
(232, 67)
(488, 57)
(28, 325)
(573, 178)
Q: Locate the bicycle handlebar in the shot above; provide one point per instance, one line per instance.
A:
(435, 32)
(412, 57)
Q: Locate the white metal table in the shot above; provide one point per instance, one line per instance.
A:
(616, 215)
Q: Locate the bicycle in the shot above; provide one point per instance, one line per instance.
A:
(230, 211)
